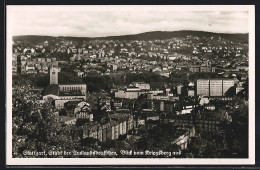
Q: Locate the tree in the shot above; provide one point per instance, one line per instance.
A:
(34, 125)
(231, 92)
(81, 122)
(244, 93)
(158, 138)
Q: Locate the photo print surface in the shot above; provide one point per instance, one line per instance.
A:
(99, 83)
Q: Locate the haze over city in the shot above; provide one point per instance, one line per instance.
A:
(99, 21)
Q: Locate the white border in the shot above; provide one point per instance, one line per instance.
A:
(135, 161)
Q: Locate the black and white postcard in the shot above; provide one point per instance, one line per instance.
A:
(130, 85)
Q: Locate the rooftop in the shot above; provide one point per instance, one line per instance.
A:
(66, 118)
(51, 89)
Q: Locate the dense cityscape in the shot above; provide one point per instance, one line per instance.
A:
(180, 94)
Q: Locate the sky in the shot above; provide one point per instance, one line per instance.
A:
(98, 21)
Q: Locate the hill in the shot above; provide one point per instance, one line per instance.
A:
(160, 35)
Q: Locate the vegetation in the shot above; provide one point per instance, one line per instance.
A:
(34, 126)
(232, 143)
(39, 80)
(158, 138)
(81, 122)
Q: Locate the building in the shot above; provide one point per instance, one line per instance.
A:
(67, 120)
(191, 92)
(239, 88)
(208, 121)
(227, 84)
(203, 87)
(54, 75)
(62, 93)
(83, 111)
(142, 85)
(61, 97)
(216, 87)
(111, 128)
(194, 69)
(179, 87)
(183, 136)
(14, 64)
(126, 94)
(213, 87)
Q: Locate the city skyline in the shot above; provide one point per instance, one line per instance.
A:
(101, 21)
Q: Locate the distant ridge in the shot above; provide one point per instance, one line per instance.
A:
(160, 35)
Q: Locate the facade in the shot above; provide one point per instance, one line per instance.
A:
(239, 88)
(63, 93)
(127, 94)
(68, 120)
(204, 123)
(179, 89)
(54, 75)
(203, 87)
(161, 97)
(84, 115)
(117, 125)
(155, 92)
(83, 111)
(76, 88)
(168, 106)
(142, 85)
(191, 93)
(184, 137)
(61, 97)
(227, 84)
(213, 87)
(14, 64)
(60, 101)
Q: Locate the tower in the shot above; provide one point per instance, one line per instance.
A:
(54, 75)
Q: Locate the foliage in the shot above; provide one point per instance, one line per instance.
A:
(97, 83)
(39, 80)
(158, 138)
(116, 145)
(81, 122)
(237, 139)
(34, 126)
(244, 93)
(68, 77)
(231, 92)
(205, 146)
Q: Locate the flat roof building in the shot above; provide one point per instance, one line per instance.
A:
(213, 87)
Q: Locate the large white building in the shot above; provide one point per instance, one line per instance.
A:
(227, 84)
(203, 87)
(216, 87)
(213, 87)
(63, 93)
(142, 85)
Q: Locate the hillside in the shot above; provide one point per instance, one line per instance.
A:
(242, 38)
(178, 34)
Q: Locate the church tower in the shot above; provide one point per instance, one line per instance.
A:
(54, 75)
